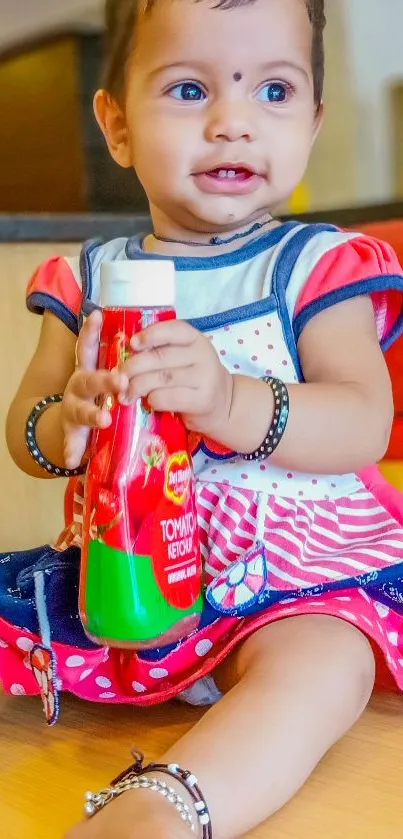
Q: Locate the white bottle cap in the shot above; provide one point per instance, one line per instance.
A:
(138, 283)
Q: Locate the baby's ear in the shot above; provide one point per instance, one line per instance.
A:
(112, 122)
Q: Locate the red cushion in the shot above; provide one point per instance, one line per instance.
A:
(392, 232)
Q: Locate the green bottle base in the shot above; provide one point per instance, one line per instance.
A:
(115, 614)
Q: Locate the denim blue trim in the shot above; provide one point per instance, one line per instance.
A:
(394, 334)
(87, 250)
(224, 260)
(231, 316)
(202, 447)
(389, 282)
(61, 571)
(373, 581)
(38, 302)
(40, 601)
(281, 277)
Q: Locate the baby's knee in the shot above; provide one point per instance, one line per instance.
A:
(351, 660)
(320, 648)
(343, 654)
(346, 679)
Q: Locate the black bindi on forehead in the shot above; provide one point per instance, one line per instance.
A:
(237, 77)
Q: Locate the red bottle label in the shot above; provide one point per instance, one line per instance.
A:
(175, 552)
(140, 531)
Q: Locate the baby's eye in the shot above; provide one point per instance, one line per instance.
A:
(274, 92)
(187, 92)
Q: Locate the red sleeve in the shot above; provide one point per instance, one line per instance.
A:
(56, 287)
(360, 266)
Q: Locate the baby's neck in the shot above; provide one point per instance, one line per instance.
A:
(189, 243)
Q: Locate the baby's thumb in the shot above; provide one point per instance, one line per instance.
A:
(87, 347)
(75, 445)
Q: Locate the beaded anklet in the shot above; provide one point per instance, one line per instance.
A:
(136, 777)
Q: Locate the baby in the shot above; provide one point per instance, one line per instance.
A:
(275, 364)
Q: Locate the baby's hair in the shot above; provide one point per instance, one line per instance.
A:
(122, 15)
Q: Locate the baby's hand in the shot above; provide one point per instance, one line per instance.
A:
(80, 412)
(176, 367)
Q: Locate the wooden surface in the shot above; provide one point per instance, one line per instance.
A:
(356, 793)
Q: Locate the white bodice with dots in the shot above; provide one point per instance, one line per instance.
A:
(257, 348)
(245, 304)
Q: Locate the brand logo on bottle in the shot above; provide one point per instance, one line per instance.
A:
(178, 475)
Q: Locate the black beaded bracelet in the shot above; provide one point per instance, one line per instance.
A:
(32, 444)
(278, 424)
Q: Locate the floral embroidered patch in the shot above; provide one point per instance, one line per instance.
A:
(43, 664)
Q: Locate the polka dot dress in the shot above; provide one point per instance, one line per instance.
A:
(328, 544)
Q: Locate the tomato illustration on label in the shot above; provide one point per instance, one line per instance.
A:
(122, 347)
(105, 518)
(153, 455)
(178, 475)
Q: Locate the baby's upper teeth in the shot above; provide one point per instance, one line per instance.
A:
(227, 173)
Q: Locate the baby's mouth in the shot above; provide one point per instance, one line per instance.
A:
(232, 178)
(240, 173)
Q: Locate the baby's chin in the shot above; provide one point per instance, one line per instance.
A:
(223, 215)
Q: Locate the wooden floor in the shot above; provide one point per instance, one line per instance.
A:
(357, 792)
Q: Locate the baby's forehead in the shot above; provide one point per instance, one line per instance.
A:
(249, 31)
(148, 34)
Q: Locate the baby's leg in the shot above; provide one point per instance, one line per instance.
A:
(292, 690)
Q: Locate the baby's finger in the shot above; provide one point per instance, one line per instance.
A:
(158, 358)
(166, 378)
(91, 384)
(88, 342)
(178, 400)
(177, 332)
(82, 413)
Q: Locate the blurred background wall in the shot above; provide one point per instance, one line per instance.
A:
(52, 157)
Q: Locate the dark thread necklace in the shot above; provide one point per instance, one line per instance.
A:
(216, 240)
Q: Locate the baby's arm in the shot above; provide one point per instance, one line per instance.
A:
(340, 419)
(48, 373)
(63, 429)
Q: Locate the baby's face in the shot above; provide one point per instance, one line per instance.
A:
(219, 109)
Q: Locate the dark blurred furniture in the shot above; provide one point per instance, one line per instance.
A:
(53, 157)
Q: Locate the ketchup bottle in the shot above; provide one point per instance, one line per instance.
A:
(141, 574)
